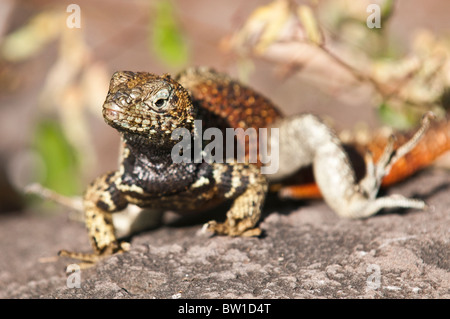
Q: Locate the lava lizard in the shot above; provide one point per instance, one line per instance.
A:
(146, 108)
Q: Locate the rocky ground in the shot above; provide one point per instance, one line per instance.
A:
(306, 252)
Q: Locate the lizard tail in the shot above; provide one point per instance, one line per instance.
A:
(435, 143)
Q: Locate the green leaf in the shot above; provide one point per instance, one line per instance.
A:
(387, 9)
(59, 157)
(168, 42)
(28, 40)
(398, 119)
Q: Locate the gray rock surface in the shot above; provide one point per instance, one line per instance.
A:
(306, 252)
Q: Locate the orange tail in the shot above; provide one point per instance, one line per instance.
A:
(435, 142)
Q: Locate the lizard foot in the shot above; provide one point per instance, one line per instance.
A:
(244, 214)
(369, 186)
(241, 228)
(376, 171)
(90, 259)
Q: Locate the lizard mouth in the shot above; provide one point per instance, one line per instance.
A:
(111, 111)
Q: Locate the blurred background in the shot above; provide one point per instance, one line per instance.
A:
(56, 60)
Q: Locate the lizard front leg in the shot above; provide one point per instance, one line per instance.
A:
(101, 199)
(305, 140)
(244, 184)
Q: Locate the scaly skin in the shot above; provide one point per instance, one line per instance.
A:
(146, 109)
(435, 143)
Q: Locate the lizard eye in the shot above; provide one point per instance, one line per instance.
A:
(160, 100)
(160, 103)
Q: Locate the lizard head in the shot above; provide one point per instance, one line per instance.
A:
(147, 105)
